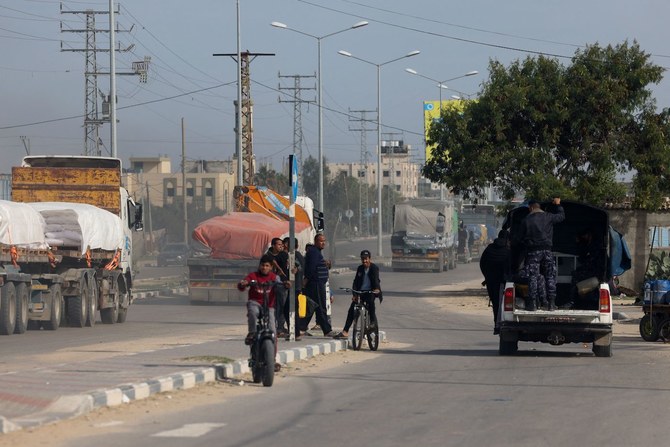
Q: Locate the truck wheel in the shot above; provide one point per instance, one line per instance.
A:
(92, 301)
(56, 308)
(7, 308)
(21, 308)
(649, 328)
(77, 309)
(109, 315)
(508, 347)
(123, 313)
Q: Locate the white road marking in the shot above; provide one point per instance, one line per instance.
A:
(189, 430)
(108, 424)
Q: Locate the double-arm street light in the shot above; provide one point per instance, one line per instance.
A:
(441, 84)
(319, 101)
(379, 137)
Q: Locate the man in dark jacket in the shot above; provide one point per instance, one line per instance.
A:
(495, 264)
(316, 277)
(537, 234)
(367, 278)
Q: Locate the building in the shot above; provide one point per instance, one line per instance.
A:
(398, 171)
(209, 184)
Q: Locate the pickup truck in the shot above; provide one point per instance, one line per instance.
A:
(590, 321)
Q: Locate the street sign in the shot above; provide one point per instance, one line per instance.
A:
(349, 214)
(294, 177)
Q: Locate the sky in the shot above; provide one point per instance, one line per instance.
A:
(42, 89)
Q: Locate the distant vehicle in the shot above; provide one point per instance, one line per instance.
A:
(173, 254)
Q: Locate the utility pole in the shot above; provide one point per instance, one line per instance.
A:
(93, 119)
(296, 99)
(364, 202)
(245, 152)
(152, 242)
(183, 181)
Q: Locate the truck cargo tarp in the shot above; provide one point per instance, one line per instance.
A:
(420, 216)
(244, 235)
(81, 225)
(21, 225)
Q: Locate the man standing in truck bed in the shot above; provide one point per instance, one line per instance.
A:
(536, 235)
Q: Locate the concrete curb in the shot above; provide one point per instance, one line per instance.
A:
(67, 407)
(149, 293)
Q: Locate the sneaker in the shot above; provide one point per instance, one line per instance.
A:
(316, 327)
(330, 334)
(249, 338)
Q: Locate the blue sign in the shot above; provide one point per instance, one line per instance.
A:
(294, 177)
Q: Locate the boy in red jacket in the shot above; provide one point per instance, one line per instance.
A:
(255, 301)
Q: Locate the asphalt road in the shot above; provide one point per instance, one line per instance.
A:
(439, 381)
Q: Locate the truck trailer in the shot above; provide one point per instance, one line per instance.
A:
(83, 261)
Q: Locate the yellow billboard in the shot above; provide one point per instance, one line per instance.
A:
(431, 113)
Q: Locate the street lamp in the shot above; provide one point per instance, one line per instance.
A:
(320, 105)
(440, 84)
(379, 137)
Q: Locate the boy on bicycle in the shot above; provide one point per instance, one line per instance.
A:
(255, 300)
(366, 279)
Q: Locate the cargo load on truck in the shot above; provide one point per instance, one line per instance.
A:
(424, 235)
(225, 248)
(82, 261)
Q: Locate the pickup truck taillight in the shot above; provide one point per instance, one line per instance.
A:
(508, 298)
(605, 301)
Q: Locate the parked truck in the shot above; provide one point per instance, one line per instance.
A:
(225, 248)
(83, 261)
(590, 319)
(424, 235)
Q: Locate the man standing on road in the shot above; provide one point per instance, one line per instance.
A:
(537, 234)
(495, 264)
(316, 277)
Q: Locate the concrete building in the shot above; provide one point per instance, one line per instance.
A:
(398, 171)
(209, 184)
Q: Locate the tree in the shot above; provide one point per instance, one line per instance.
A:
(276, 181)
(310, 178)
(547, 129)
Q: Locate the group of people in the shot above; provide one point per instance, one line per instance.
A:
(535, 236)
(311, 273)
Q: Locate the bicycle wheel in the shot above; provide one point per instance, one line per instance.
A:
(372, 334)
(357, 336)
(268, 362)
(255, 364)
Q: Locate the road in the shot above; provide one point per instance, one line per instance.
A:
(438, 381)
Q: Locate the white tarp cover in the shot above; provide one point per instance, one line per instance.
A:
(80, 225)
(420, 216)
(21, 225)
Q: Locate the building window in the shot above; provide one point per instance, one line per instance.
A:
(344, 173)
(386, 174)
(209, 191)
(397, 173)
(138, 166)
(189, 191)
(361, 174)
(169, 191)
(397, 187)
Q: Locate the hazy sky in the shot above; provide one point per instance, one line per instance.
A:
(42, 88)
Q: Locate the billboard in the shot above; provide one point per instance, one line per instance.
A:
(431, 113)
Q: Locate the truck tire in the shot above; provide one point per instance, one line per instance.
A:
(77, 309)
(56, 308)
(649, 328)
(123, 313)
(92, 301)
(22, 297)
(109, 315)
(509, 344)
(602, 345)
(664, 329)
(7, 308)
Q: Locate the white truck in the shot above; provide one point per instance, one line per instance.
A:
(424, 235)
(590, 320)
(82, 263)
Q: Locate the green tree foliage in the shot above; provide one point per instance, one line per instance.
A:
(548, 129)
(276, 181)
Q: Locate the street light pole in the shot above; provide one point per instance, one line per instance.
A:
(319, 94)
(440, 86)
(379, 138)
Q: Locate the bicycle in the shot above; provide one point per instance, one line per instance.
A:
(262, 349)
(362, 325)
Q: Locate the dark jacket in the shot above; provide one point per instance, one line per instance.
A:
(537, 229)
(373, 274)
(281, 264)
(495, 262)
(316, 270)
